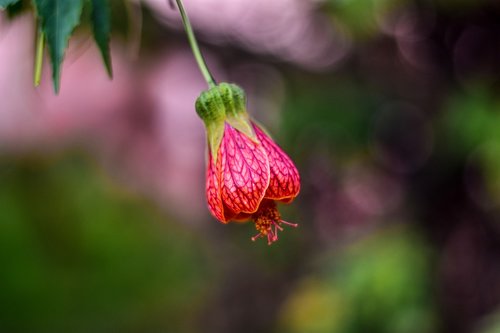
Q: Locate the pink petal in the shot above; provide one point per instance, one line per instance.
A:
(213, 191)
(284, 184)
(245, 172)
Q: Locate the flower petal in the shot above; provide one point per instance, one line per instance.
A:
(284, 184)
(245, 171)
(213, 191)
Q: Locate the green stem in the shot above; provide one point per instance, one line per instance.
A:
(194, 46)
(40, 45)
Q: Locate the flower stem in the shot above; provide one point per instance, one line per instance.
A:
(194, 46)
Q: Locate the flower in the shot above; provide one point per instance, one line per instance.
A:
(247, 171)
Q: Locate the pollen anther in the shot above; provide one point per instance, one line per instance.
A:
(268, 221)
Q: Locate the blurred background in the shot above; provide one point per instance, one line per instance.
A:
(390, 109)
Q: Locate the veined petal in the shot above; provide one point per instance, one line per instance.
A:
(245, 171)
(284, 184)
(213, 191)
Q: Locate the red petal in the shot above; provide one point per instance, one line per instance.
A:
(214, 198)
(284, 184)
(245, 172)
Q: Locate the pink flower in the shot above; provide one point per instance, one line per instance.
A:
(247, 171)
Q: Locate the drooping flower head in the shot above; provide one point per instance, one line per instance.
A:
(247, 171)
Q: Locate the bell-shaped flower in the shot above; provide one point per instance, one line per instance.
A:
(247, 171)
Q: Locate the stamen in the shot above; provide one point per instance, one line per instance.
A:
(294, 225)
(275, 238)
(269, 238)
(254, 238)
(268, 223)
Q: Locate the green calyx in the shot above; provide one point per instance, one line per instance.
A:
(221, 101)
(225, 102)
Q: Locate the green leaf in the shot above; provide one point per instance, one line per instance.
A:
(101, 26)
(5, 3)
(59, 18)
